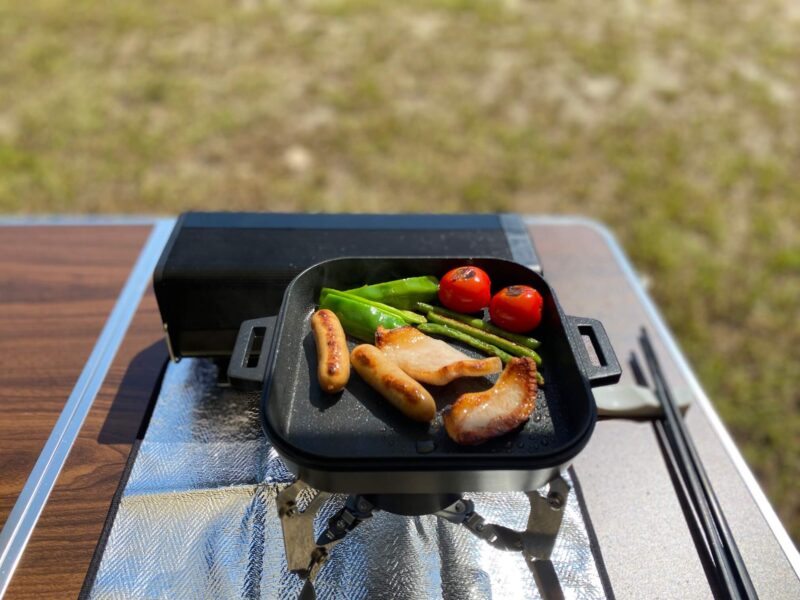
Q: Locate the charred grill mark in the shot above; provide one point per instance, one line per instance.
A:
(398, 335)
(392, 382)
(333, 346)
(479, 366)
(325, 315)
(523, 369)
(333, 362)
(363, 359)
(330, 333)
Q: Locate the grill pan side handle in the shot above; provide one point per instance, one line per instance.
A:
(248, 364)
(609, 370)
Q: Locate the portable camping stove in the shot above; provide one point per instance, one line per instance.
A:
(307, 553)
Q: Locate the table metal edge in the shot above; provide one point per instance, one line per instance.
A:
(68, 220)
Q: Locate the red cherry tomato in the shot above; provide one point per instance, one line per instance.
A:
(517, 308)
(465, 289)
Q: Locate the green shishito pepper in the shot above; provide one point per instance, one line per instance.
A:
(405, 315)
(401, 293)
(360, 317)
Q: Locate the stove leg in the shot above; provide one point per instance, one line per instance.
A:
(546, 578)
(544, 520)
(356, 510)
(544, 523)
(536, 542)
(305, 555)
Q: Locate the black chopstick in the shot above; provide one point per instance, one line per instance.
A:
(731, 571)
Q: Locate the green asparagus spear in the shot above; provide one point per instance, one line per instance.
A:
(446, 331)
(521, 340)
(485, 336)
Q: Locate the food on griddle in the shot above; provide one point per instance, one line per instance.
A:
(406, 315)
(478, 322)
(477, 417)
(405, 356)
(445, 331)
(333, 362)
(490, 338)
(392, 383)
(401, 293)
(358, 317)
(429, 360)
(517, 308)
(465, 289)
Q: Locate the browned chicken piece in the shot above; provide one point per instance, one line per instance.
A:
(480, 416)
(429, 360)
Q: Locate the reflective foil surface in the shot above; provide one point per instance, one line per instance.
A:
(197, 519)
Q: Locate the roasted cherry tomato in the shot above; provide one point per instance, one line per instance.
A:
(517, 308)
(465, 289)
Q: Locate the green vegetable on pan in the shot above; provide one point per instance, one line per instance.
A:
(490, 338)
(400, 293)
(521, 340)
(359, 319)
(405, 315)
(412, 317)
(447, 331)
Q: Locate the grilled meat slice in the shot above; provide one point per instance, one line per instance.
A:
(429, 360)
(479, 416)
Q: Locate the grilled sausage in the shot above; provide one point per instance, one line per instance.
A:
(392, 383)
(333, 366)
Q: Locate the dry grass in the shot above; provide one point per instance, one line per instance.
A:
(677, 123)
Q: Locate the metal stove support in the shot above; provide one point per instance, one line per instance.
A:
(538, 539)
(305, 555)
(536, 542)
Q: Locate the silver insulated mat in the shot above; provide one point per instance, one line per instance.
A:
(197, 519)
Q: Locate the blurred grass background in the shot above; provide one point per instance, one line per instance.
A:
(676, 123)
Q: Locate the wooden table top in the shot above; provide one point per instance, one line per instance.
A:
(63, 282)
(59, 285)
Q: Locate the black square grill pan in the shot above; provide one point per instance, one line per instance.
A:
(355, 442)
